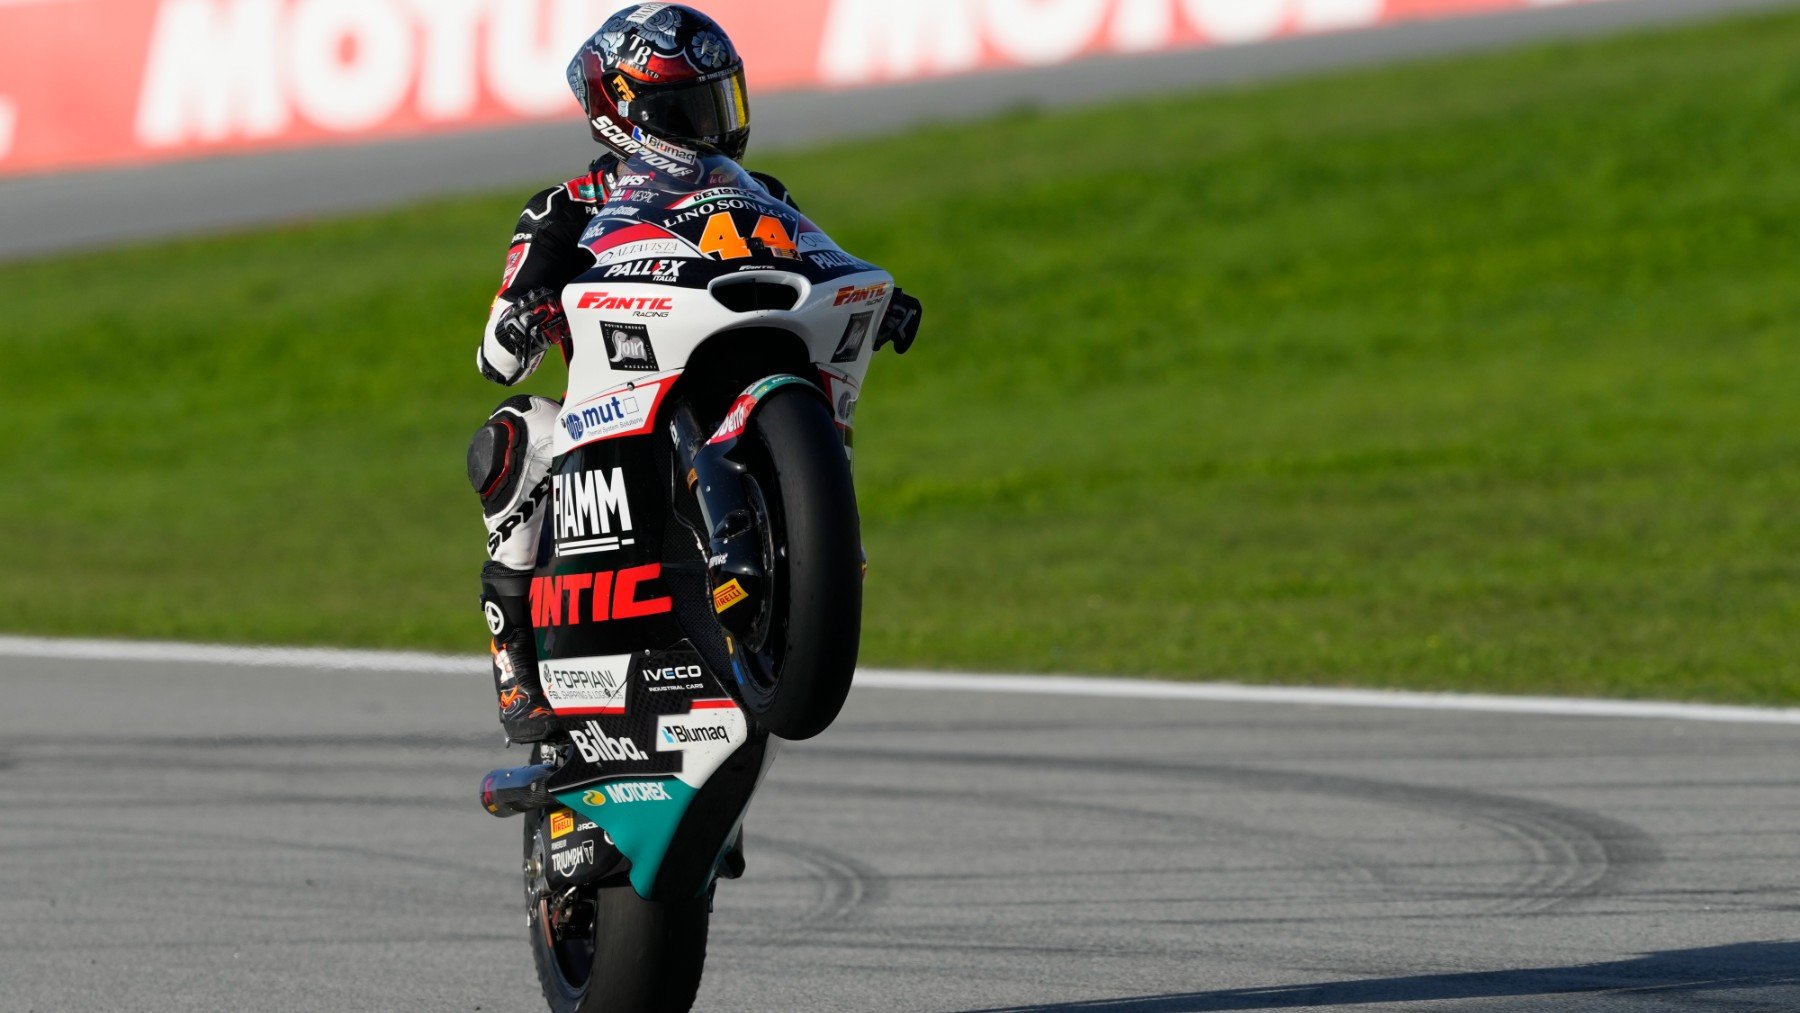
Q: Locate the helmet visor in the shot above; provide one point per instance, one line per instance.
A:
(706, 113)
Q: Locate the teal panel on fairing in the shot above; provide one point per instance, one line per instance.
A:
(640, 817)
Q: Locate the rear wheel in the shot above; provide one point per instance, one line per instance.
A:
(795, 664)
(604, 949)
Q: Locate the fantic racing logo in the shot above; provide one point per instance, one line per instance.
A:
(852, 295)
(637, 306)
(596, 746)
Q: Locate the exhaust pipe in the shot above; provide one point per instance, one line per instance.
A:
(517, 790)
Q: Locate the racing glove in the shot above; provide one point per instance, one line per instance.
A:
(901, 325)
(525, 331)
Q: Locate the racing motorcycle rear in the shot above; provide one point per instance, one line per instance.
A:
(699, 591)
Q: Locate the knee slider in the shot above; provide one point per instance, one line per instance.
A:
(493, 464)
(497, 454)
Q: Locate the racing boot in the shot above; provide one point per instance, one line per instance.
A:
(505, 603)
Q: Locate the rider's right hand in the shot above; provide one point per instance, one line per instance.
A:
(533, 324)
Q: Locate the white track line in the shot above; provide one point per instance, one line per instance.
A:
(932, 682)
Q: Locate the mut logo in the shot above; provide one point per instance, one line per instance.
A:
(558, 601)
(596, 746)
(853, 295)
(608, 301)
(601, 417)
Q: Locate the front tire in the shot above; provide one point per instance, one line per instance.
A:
(795, 666)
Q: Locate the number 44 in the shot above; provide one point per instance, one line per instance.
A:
(723, 239)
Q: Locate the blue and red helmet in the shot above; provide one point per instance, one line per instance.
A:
(657, 76)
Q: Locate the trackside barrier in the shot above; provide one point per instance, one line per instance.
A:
(122, 82)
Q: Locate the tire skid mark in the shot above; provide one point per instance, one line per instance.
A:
(1573, 854)
(1311, 853)
(844, 888)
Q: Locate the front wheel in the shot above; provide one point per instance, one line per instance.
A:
(795, 663)
(604, 949)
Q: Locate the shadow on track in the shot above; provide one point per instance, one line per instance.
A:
(1671, 973)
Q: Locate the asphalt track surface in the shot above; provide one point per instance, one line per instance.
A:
(210, 836)
(94, 210)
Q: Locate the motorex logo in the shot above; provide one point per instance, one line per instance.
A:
(625, 792)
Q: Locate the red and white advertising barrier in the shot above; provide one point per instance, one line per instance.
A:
(121, 82)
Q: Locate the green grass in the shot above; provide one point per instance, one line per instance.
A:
(1482, 374)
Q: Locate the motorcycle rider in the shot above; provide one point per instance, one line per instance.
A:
(654, 75)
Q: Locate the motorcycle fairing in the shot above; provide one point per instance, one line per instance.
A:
(635, 773)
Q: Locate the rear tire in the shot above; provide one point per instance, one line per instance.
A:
(641, 956)
(795, 671)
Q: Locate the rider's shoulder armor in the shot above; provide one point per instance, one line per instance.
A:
(546, 244)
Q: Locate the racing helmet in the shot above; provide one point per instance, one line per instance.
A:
(662, 81)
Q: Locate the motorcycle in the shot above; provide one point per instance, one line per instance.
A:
(698, 596)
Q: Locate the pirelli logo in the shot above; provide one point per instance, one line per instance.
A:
(727, 595)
